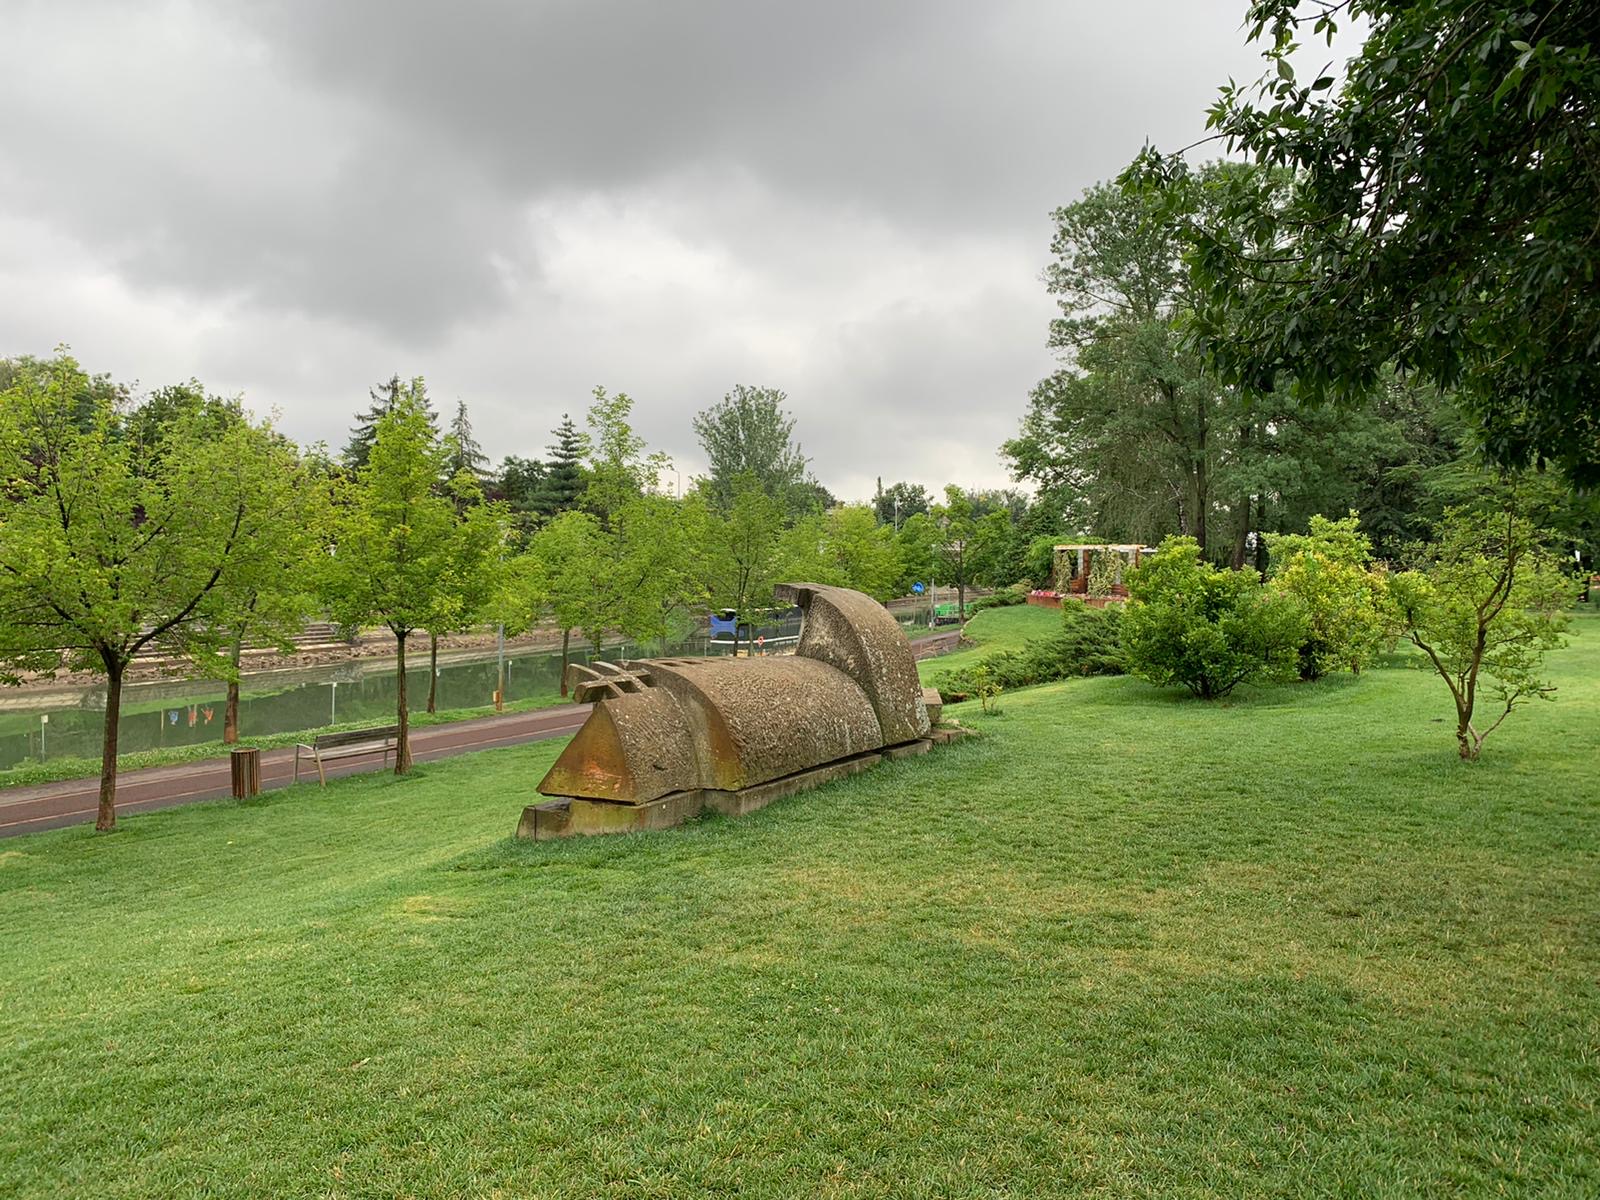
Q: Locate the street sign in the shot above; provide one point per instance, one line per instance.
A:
(917, 588)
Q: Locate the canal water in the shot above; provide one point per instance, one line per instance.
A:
(69, 724)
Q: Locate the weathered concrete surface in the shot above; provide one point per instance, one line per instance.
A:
(673, 735)
(908, 749)
(747, 800)
(769, 717)
(632, 749)
(856, 634)
(577, 817)
(934, 703)
(724, 723)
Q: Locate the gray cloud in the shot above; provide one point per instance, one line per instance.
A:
(849, 201)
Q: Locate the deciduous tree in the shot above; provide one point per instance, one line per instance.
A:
(396, 541)
(114, 544)
(1441, 217)
(1484, 608)
(748, 434)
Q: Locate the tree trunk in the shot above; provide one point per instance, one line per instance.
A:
(1241, 535)
(106, 818)
(230, 715)
(1202, 479)
(433, 670)
(230, 711)
(402, 754)
(1261, 537)
(566, 638)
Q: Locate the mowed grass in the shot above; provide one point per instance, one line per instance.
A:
(1123, 944)
(991, 630)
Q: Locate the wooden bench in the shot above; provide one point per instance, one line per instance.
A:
(350, 744)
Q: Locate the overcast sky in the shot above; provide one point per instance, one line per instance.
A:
(521, 200)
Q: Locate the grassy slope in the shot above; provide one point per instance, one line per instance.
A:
(990, 630)
(1124, 944)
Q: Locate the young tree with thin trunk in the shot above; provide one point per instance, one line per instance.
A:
(1484, 611)
(742, 552)
(474, 565)
(116, 543)
(556, 578)
(957, 529)
(394, 542)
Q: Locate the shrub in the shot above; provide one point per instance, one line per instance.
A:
(1088, 644)
(1329, 572)
(1004, 598)
(1209, 630)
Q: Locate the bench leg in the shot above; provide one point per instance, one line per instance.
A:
(297, 764)
(321, 774)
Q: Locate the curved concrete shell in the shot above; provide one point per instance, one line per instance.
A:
(679, 726)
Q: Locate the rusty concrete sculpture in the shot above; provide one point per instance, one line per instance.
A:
(669, 738)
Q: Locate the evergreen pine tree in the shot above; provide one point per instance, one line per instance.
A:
(462, 451)
(563, 481)
(384, 397)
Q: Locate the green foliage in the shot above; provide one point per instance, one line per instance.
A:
(748, 435)
(463, 455)
(845, 547)
(564, 477)
(556, 576)
(1004, 598)
(1039, 559)
(519, 484)
(957, 528)
(1088, 643)
(1209, 630)
(408, 553)
(1329, 572)
(986, 688)
(899, 502)
(126, 533)
(742, 550)
(996, 552)
(384, 398)
(1486, 608)
(620, 469)
(1105, 572)
(916, 547)
(1441, 219)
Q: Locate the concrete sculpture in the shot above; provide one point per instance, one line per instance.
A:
(668, 738)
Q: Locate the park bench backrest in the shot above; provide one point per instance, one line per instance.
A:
(351, 737)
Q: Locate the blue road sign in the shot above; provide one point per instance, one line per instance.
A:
(917, 588)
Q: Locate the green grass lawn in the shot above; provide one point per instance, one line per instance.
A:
(990, 630)
(1123, 944)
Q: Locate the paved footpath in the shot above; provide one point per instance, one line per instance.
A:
(74, 801)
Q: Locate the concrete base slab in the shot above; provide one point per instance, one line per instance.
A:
(574, 816)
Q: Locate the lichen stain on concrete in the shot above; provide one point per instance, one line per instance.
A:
(723, 725)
